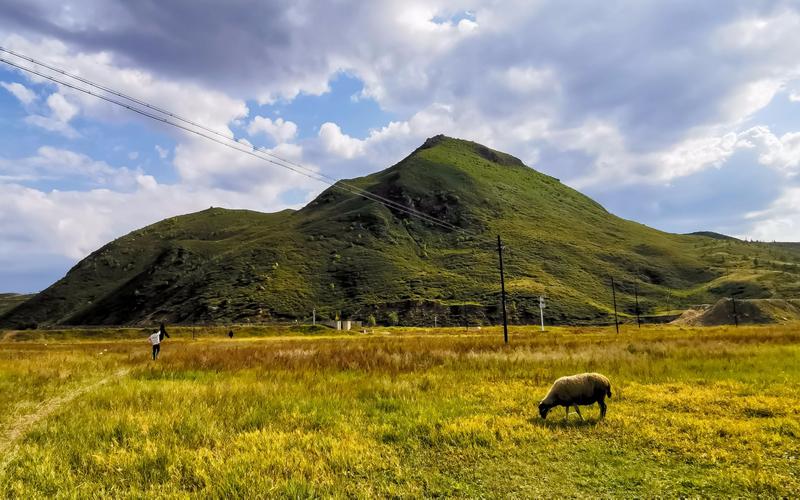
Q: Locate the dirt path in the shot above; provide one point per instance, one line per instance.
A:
(18, 428)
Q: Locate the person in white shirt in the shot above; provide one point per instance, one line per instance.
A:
(155, 341)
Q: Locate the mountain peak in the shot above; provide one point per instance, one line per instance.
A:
(492, 155)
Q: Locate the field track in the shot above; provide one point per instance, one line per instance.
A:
(22, 424)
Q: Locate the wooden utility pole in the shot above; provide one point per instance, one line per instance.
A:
(636, 294)
(614, 296)
(502, 290)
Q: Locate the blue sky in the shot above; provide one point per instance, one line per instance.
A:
(682, 115)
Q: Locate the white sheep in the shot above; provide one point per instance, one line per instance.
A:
(582, 389)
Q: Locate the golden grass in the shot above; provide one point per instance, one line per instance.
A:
(712, 412)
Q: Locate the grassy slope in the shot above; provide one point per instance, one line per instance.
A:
(696, 412)
(344, 255)
(9, 301)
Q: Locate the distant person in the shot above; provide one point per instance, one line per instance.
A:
(163, 332)
(156, 338)
(230, 334)
(155, 341)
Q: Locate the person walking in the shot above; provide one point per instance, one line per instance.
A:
(163, 332)
(155, 341)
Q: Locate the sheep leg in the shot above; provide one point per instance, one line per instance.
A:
(566, 414)
(578, 411)
(602, 408)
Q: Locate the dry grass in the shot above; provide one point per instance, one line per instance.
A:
(711, 412)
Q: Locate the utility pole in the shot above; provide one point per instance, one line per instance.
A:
(502, 290)
(636, 294)
(541, 310)
(314, 316)
(735, 316)
(434, 321)
(614, 295)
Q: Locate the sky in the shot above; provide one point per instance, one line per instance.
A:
(682, 115)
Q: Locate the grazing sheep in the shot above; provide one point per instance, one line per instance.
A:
(582, 389)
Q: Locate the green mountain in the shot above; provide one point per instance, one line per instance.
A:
(347, 256)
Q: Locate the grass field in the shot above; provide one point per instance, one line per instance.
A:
(399, 413)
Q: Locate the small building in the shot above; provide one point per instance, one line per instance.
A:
(344, 325)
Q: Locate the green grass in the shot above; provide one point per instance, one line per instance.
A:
(405, 413)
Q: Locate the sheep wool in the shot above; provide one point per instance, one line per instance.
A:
(574, 390)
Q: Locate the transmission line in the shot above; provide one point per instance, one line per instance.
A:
(167, 117)
(253, 151)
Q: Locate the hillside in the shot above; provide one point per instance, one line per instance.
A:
(348, 256)
(9, 301)
(753, 311)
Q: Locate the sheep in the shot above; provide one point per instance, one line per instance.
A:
(582, 389)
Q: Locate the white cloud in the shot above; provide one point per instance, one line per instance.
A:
(162, 152)
(748, 98)
(61, 111)
(794, 97)
(52, 164)
(338, 143)
(211, 108)
(279, 130)
(528, 79)
(21, 92)
(781, 153)
(780, 221)
(693, 155)
(201, 163)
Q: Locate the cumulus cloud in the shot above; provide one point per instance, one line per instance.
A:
(588, 63)
(21, 92)
(339, 143)
(162, 152)
(279, 130)
(181, 41)
(201, 163)
(780, 221)
(209, 107)
(782, 153)
(50, 164)
(61, 111)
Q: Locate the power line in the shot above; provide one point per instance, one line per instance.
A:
(282, 162)
(167, 118)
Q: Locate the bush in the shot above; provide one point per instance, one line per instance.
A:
(394, 318)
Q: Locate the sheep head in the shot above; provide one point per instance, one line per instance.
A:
(544, 408)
